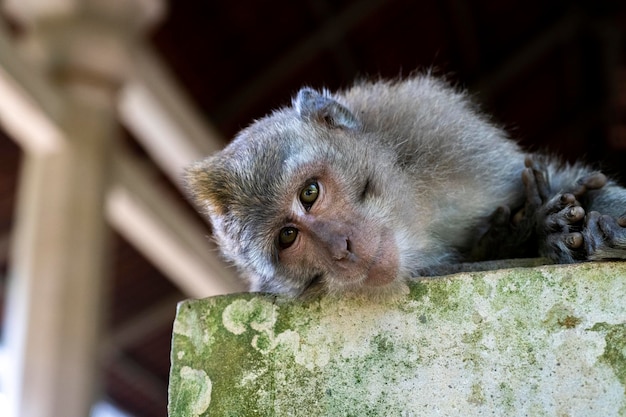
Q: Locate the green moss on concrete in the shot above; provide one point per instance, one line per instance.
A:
(540, 341)
(615, 349)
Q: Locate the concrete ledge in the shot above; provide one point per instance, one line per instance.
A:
(545, 341)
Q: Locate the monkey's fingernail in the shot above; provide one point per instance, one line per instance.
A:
(568, 198)
(528, 162)
(502, 215)
(576, 213)
(621, 221)
(517, 218)
(574, 240)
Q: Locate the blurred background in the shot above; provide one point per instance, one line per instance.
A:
(191, 74)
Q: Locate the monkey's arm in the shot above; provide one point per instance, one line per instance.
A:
(512, 231)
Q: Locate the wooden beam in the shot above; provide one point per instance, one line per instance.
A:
(161, 229)
(162, 118)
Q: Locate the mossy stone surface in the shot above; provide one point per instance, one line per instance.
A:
(545, 341)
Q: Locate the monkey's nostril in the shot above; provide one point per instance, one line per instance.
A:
(341, 248)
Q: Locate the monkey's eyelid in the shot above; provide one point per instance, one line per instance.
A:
(367, 188)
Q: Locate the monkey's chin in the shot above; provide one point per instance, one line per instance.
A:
(385, 267)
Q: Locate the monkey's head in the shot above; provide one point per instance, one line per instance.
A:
(299, 201)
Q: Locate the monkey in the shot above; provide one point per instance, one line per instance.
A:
(362, 190)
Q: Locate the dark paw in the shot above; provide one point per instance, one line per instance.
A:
(553, 223)
(561, 226)
(546, 212)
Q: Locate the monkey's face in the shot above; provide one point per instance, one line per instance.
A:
(298, 223)
(328, 240)
(300, 202)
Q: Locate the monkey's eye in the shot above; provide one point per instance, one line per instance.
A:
(309, 194)
(287, 236)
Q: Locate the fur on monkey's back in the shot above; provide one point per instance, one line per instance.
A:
(438, 133)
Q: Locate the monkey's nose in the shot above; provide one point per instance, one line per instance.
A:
(341, 248)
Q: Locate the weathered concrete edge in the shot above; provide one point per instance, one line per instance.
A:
(434, 348)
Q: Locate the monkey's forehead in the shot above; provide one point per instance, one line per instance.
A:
(258, 169)
(266, 183)
(276, 147)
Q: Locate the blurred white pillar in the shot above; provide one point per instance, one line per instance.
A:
(57, 273)
(58, 265)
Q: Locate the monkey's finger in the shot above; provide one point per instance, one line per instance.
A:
(560, 202)
(542, 184)
(573, 240)
(622, 220)
(534, 162)
(593, 235)
(574, 214)
(540, 175)
(533, 197)
(591, 219)
(562, 219)
(518, 217)
(529, 161)
(614, 233)
(501, 216)
(568, 199)
(592, 181)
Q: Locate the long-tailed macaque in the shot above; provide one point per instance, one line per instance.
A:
(364, 189)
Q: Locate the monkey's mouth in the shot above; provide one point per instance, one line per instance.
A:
(384, 267)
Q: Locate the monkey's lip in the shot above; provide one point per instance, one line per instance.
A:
(384, 267)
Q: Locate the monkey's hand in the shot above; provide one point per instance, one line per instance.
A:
(564, 231)
(513, 232)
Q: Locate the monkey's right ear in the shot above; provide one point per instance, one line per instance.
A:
(321, 107)
(206, 188)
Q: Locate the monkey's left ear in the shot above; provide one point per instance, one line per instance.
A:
(312, 105)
